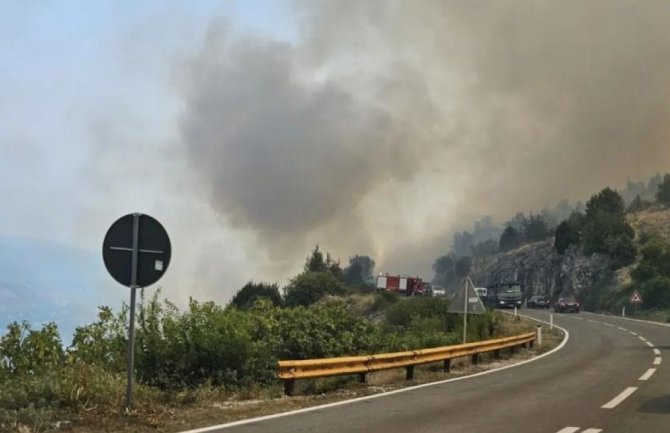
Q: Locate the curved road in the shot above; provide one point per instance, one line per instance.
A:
(610, 377)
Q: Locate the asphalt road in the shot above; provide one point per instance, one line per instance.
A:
(609, 377)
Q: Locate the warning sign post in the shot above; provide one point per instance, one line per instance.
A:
(635, 299)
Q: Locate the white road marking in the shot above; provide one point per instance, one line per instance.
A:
(593, 321)
(650, 344)
(657, 352)
(608, 324)
(657, 360)
(577, 318)
(388, 393)
(633, 333)
(648, 374)
(642, 338)
(576, 429)
(619, 398)
(623, 329)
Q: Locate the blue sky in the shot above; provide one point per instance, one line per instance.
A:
(63, 67)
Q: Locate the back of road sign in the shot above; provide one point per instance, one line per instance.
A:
(474, 304)
(153, 250)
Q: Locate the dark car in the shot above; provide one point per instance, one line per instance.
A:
(564, 305)
(538, 302)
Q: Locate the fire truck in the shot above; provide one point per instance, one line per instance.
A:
(402, 285)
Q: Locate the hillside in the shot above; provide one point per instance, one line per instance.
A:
(652, 221)
(542, 270)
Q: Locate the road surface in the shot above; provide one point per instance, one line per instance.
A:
(610, 377)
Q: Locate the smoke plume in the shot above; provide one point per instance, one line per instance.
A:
(389, 125)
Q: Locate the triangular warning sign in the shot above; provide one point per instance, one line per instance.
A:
(635, 298)
(467, 298)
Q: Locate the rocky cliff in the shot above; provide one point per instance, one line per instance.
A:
(542, 271)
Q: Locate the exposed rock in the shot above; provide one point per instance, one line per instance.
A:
(542, 271)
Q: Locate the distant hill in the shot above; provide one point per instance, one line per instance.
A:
(542, 270)
(44, 281)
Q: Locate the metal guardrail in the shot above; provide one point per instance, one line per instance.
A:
(290, 371)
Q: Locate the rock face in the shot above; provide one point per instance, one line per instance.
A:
(542, 271)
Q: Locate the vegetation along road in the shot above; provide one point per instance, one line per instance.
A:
(608, 377)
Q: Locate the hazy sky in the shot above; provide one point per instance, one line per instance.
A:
(256, 129)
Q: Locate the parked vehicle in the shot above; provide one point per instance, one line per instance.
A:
(481, 292)
(505, 295)
(566, 305)
(402, 285)
(538, 301)
(438, 292)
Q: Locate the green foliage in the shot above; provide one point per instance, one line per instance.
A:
(384, 299)
(204, 343)
(309, 287)
(535, 228)
(663, 193)
(316, 263)
(325, 330)
(360, 271)
(605, 225)
(34, 399)
(27, 351)
(103, 343)
(444, 268)
(652, 275)
(567, 233)
(638, 204)
(484, 249)
(251, 292)
(621, 250)
(510, 239)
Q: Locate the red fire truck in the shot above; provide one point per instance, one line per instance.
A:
(402, 285)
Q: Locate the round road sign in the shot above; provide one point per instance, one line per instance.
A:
(142, 237)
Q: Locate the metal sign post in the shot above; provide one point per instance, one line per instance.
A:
(465, 310)
(470, 304)
(635, 299)
(131, 326)
(150, 253)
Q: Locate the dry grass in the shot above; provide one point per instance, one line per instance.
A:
(652, 221)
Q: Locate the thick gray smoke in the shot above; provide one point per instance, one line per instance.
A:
(389, 125)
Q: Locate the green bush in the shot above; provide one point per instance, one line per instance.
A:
(309, 287)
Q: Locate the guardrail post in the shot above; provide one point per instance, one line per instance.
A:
(361, 377)
(289, 386)
(496, 353)
(475, 359)
(447, 365)
(410, 372)
(512, 349)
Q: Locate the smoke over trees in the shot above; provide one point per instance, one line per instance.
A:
(340, 137)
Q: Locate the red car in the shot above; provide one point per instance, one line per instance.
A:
(564, 305)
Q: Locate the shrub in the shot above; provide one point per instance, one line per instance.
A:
(308, 287)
